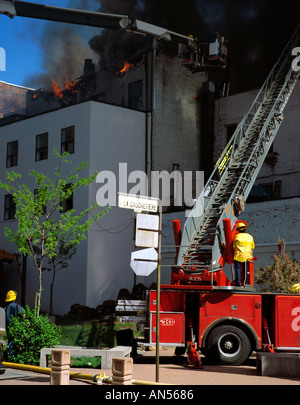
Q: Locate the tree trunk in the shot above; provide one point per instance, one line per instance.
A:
(39, 294)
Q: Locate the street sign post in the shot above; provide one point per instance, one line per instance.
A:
(145, 261)
(138, 203)
(147, 229)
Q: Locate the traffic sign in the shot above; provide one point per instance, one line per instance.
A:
(147, 229)
(138, 203)
(144, 262)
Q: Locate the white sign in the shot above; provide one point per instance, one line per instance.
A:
(147, 227)
(144, 262)
(137, 203)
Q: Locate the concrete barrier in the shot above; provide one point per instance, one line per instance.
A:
(2, 320)
(105, 354)
(278, 364)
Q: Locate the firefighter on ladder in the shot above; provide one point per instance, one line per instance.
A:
(243, 245)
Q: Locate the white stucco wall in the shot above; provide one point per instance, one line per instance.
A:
(105, 136)
(110, 243)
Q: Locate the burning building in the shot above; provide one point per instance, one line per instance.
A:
(153, 111)
(149, 114)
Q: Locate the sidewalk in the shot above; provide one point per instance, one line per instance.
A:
(172, 370)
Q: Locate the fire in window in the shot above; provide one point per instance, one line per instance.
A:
(67, 139)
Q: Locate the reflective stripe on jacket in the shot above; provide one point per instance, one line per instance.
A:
(243, 245)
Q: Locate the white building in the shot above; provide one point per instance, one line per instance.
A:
(103, 135)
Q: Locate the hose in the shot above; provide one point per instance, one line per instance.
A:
(99, 379)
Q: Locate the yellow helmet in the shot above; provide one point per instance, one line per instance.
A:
(241, 225)
(295, 288)
(11, 296)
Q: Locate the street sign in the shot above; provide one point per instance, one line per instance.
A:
(147, 227)
(138, 203)
(144, 262)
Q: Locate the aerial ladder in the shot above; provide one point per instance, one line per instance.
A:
(207, 236)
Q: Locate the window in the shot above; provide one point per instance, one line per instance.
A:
(12, 154)
(230, 129)
(67, 139)
(9, 207)
(135, 94)
(67, 204)
(41, 147)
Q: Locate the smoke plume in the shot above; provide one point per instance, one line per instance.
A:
(257, 31)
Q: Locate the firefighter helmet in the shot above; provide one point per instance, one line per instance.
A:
(241, 226)
(11, 296)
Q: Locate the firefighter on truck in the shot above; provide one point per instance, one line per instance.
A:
(243, 245)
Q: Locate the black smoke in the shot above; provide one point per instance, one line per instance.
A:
(257, 31)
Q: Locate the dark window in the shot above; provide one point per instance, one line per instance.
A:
(41, 147)
(12, 154)
(135, 94)
(67, 203)
(9, 207)
(67, 139)
(230, 129)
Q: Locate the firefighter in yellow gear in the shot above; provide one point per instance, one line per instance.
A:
(243, 245)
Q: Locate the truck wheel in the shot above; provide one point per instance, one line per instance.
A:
(228, 344)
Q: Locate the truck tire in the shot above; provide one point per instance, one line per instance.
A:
(228, 344)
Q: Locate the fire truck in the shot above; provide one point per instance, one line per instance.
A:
(202, 308)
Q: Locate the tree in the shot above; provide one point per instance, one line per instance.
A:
(281, 275)
(59, 262)
(43, 220)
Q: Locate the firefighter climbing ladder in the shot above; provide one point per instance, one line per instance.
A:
(237, 168)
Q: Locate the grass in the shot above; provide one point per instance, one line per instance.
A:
(99, 333)
(86, 362)
(92, 333)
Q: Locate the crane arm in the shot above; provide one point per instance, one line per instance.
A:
(81, 17)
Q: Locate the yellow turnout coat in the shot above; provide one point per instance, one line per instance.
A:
(243, 244)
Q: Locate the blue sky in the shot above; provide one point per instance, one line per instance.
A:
(20, 39)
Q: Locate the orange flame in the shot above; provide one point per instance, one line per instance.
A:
(69, 86)
(126, 66)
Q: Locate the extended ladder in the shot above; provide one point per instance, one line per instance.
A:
(236, 170)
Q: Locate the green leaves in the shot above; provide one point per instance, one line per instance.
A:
(281, 275)
(42, 218)
(29, 335)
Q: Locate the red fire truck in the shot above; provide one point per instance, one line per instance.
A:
(227, 323)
